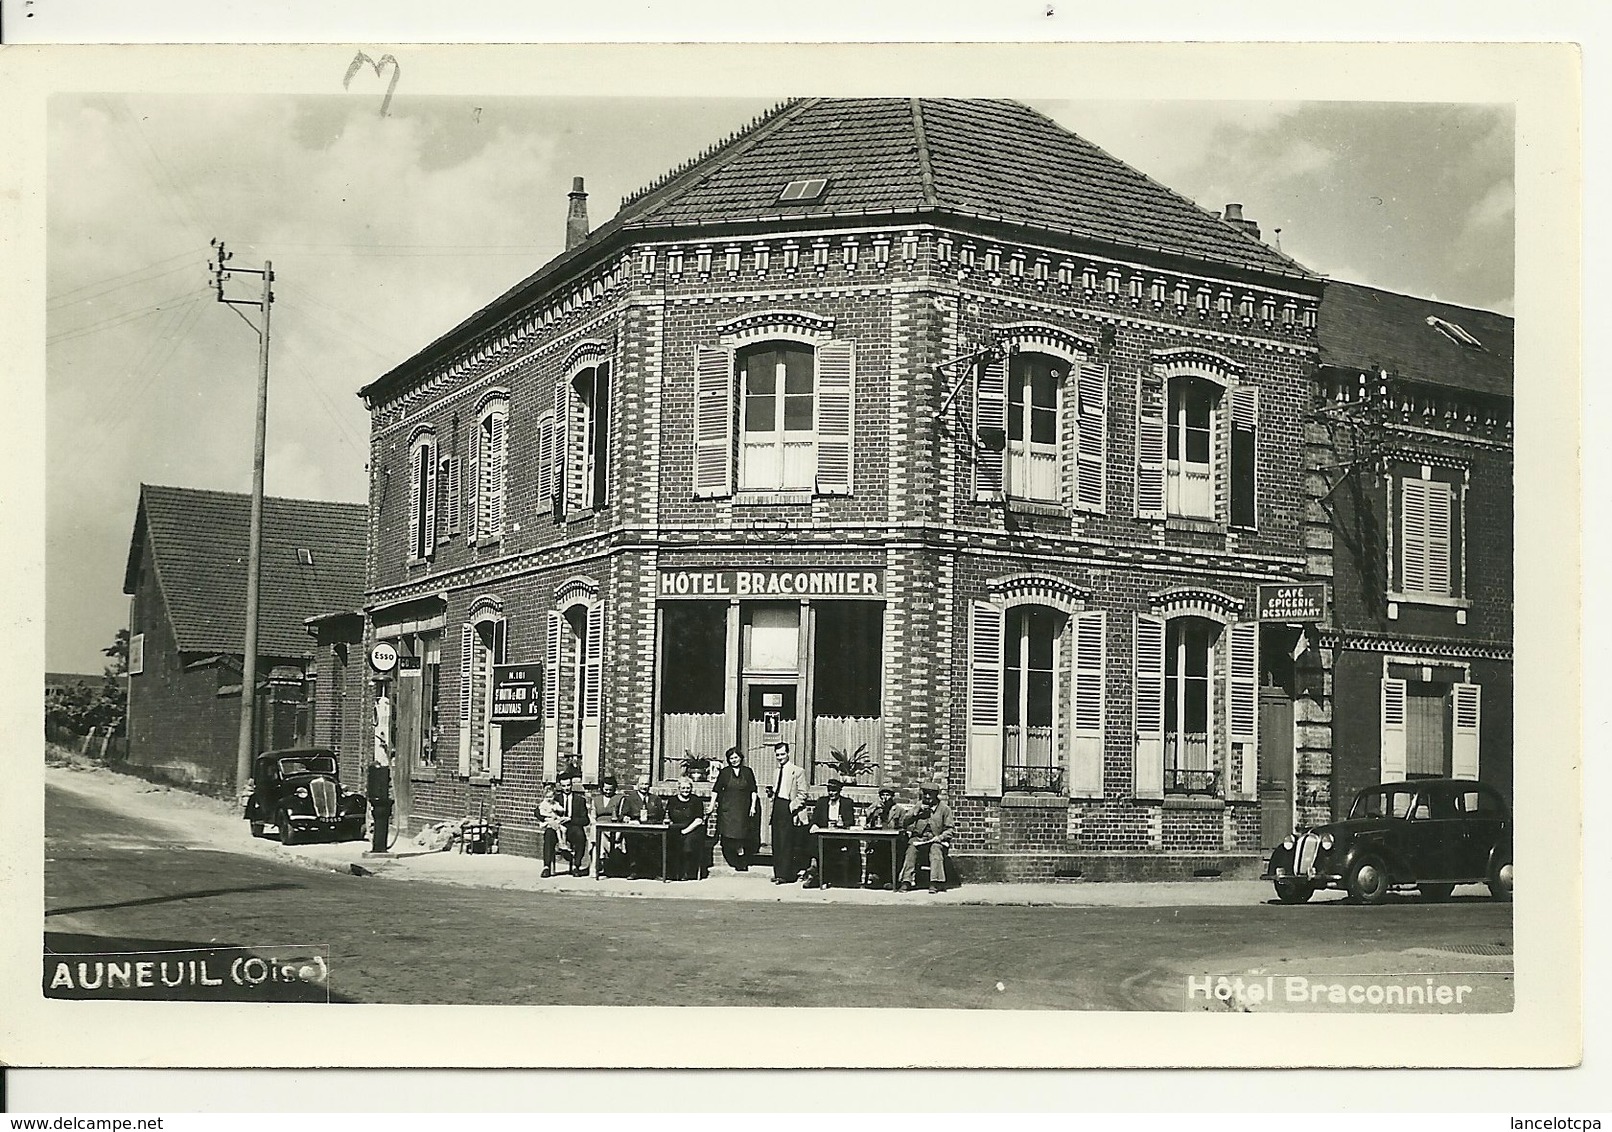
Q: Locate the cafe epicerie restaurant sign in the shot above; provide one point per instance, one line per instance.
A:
(785, 582)
(1298, 604)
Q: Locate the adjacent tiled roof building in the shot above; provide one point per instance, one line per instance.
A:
(312, 563)
(186, 577)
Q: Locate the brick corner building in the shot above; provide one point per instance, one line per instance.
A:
(919, 433)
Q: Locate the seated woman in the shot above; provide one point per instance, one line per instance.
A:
(685, 849)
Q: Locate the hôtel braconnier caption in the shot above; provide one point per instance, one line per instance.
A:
(918, 433)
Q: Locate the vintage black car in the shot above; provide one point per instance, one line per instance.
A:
(1432, 834)
(299, 792)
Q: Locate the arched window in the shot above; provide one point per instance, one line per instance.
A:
(488, 468)
(1030, 683)
(422, 497)
(1035, 408)
(1193, 415)
(1188, 705)
(592, 389)
(777, 420)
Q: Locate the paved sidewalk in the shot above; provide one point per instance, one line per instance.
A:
(209, 823)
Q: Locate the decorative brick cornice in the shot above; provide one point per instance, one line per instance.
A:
(1051, 339)
(1357, 640)
(1038, 589)
(1184, 361)
(771, 324)
(576, 591)
(1195, 601)
(584, 354)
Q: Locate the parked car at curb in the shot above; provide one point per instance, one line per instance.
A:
(1430, 834)
(299, 792)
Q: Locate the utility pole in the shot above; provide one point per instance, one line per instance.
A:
(254, 544)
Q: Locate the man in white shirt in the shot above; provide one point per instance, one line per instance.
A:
(788, 801)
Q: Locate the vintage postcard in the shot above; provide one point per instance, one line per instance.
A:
(919, 556)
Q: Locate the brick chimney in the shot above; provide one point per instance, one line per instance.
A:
(1234, 215)
(576, 215)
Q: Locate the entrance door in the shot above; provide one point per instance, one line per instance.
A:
(1275, 766)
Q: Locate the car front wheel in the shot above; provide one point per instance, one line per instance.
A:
(1368, 882)
(1435, 892)
(288, 834)
(1291, 890)
(1500, 881)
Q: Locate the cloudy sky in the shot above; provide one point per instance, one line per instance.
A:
(386, 231)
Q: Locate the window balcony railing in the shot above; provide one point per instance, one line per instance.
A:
(1032, 779)
(1178, 780)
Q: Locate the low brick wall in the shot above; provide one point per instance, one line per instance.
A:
(988, 867)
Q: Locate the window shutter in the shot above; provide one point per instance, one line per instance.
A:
(1091, 453)
(1149, 707)
(713, 422)
(1465, 710)
(836, 397)
(467, 659)
(983, 769)
(495, 731)
(990, 411)
(592, 691)
(495, 474)
(551, 696)
(1393, 731)
(559, 477)
(1086, 709)
(1242, 702)
(1413, 535)
(545, 463)
(450, 479)
(1244, 455)
(1438, 538)
(430, 463)
(1150, 439)
(473, 482)
(414, 503)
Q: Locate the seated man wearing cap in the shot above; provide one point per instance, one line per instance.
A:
(841, 863)
(929, 828)
(883, 855)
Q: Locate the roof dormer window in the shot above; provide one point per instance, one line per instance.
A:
(804, 190)
(305, 556)
(1454, 332)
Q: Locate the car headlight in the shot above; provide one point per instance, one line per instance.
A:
(302, 792)
(1327, 841)
(1288, 842)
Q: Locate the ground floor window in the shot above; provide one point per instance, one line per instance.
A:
(1030, 679)
(481, 646)
(1188, 659)
(1430, 722)
(753, 674)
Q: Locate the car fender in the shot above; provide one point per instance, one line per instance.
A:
(1377, 849)
(1500, 852)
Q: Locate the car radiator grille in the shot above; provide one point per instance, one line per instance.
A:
(323, 792)
(1304, 855)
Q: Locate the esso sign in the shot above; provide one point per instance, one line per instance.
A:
(383, 657)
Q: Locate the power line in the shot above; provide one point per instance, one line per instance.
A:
(113, 321)
(60, 295)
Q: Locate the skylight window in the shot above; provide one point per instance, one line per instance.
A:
(808, 189)
(304, 556)
(1453, 332)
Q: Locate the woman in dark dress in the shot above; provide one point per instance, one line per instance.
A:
(738, 810)
(686, 839)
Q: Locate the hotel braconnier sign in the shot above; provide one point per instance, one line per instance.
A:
(774, 582)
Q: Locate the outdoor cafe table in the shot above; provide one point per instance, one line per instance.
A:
(864, 838)
(626, 828)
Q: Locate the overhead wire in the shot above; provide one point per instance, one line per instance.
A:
(110, 282)
(123, 317)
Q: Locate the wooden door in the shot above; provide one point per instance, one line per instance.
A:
(1275, 766)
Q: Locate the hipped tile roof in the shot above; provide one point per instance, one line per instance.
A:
(924, 158)
(1363, 328)
(199, 543)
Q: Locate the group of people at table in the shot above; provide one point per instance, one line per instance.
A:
(567, 816)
